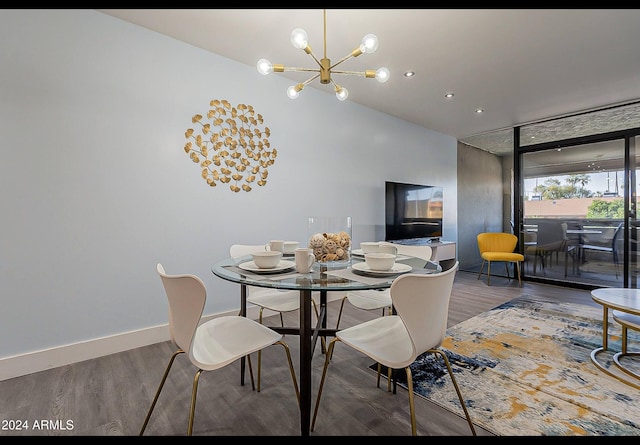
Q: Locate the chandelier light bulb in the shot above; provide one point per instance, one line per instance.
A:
(341, 93)
(264, 67)
(299, 38)
(382, 74)
(369, 43)
(293, 92)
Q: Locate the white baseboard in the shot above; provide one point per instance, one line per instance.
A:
(19, 365)
(31, 362)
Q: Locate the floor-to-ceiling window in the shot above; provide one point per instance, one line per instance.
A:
(573, 205)
(576, 198)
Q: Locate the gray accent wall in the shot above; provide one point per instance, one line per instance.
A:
(481, 201)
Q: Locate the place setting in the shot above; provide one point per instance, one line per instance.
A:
(380, 264)
(267, 262)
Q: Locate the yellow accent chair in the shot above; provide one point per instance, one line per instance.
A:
(499, 246)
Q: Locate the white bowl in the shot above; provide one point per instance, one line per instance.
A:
(267, 259)
(290, 247)
(369, 246)
(380, 261)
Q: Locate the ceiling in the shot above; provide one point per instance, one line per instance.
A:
(519, 65)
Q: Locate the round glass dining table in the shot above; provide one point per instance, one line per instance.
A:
(321, 279)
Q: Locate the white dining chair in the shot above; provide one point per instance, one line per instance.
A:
(395, 341)
(213, 344)
(375, 300)
(275, 300)
(380, 299)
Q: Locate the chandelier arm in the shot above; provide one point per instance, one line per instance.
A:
(315, 58)
(367, 73)
(345, 58)
(307, 82)
(298, 69)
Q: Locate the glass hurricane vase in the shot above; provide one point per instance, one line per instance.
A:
(330, 239)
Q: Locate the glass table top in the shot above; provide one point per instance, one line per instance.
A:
(320, 278)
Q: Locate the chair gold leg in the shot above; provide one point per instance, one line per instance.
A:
(327, 359)
(260, 352)
(389, 371)
(518, 269)
(291, 370)
(412, 409)
(155, 399)
(194, 392)
(455, 384)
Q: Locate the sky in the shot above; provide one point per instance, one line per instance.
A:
(598, 182)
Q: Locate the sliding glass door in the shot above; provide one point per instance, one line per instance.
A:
(573, 213)
(576, 203)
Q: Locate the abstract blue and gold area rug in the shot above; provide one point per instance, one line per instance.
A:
(524, 368)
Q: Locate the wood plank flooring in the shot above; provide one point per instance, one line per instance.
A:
(110, 396)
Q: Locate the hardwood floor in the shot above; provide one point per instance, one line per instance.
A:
(110, 396)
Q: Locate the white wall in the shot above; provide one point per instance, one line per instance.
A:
(96, 188)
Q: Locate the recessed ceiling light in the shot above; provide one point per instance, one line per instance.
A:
(409, 73)
(449, 95)
(479, 110)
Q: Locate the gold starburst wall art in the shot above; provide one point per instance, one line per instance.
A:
(230, 146)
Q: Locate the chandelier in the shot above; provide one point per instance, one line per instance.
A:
(299, 40)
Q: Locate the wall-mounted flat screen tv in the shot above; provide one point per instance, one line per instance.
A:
(412, 211)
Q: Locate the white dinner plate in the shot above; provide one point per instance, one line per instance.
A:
(396, 269)
(282, 266)
(357, 252)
